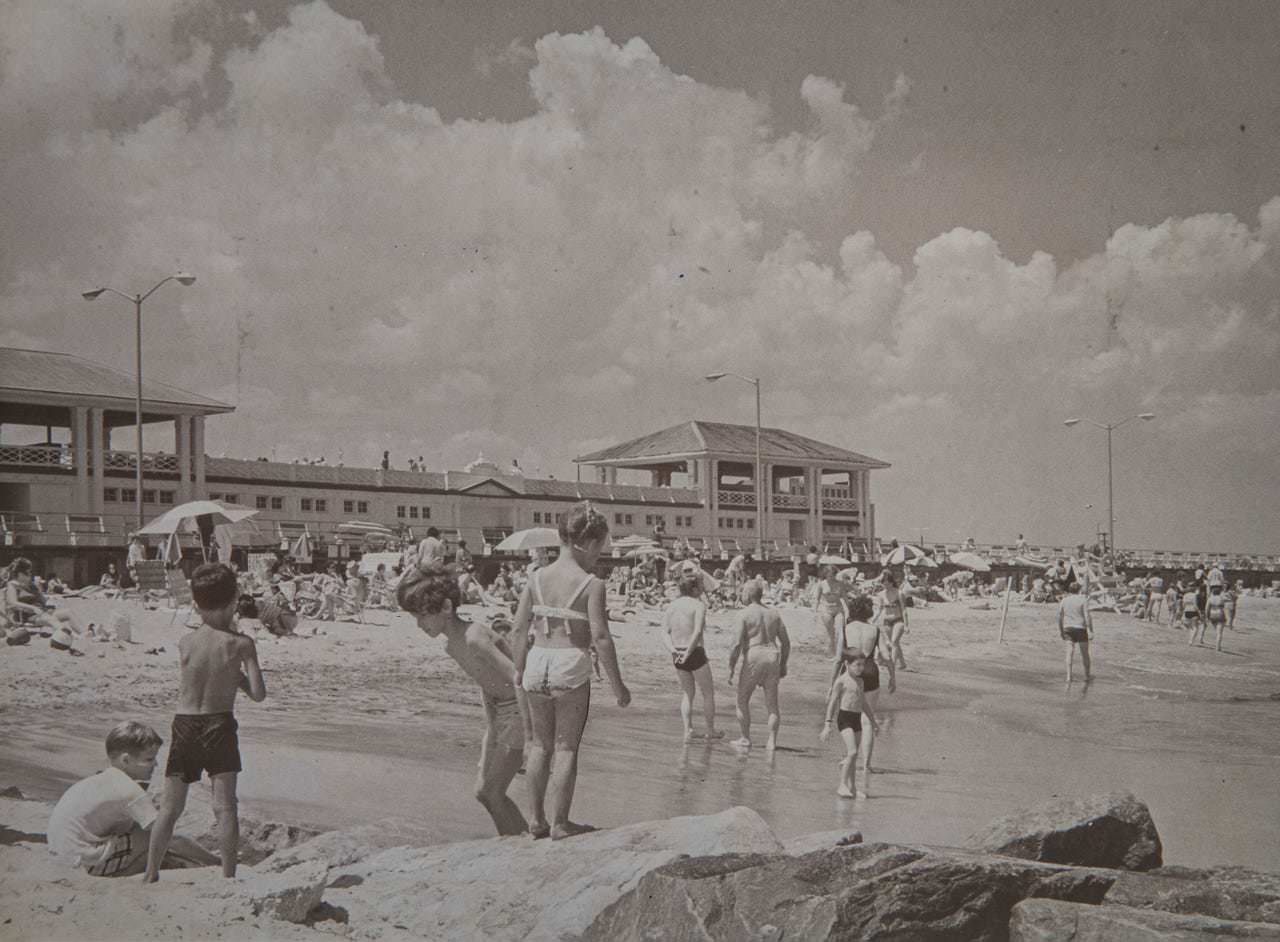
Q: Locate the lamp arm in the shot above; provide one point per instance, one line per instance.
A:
(153, 290)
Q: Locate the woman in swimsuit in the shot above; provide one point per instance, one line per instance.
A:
(828, 605)
(1215, 611)
(861, 637)
(892, 616)
(563, 606)
(684, 622)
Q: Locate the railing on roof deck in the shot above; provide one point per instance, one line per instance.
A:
(841, 504)
(128, 461)
(37, 456)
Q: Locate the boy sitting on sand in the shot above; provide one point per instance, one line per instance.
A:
(102, 823)
(432, 596)
(217, 662)
(845, 707)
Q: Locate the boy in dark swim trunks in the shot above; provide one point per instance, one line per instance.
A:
(217, 662)
(845, 705)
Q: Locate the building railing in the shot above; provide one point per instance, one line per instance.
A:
(128, 461)
(841, 504)
(736, 498)
(38, 456)
(790, 501)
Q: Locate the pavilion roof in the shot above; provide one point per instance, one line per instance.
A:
(64, 374)
(697, 437)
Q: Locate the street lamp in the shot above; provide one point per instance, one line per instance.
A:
(760, 489)
(1110, 427)
(136, 300)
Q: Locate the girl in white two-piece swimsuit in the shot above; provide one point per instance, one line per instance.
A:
(550, 671)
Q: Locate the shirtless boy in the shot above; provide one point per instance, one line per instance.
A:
(432, 595)
(845, 705)
(217, 662)
(764, 647)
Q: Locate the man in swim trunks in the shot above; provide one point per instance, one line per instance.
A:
(1075, 625)
(684, 624)
(764, 646)
(432, 596)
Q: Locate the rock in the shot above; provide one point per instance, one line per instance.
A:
(867, 891)
(261, 839)
(1043, 920)
(1112, 830)
(519, 888)
(338, 848)
(1224, 892)
(290, 896)
(821, 840)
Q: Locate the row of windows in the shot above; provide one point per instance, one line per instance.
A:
(129, 495)
(736, 523)
(548, 517)
(412, 512)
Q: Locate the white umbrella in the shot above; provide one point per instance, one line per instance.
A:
(645, 551)
(529, 539)
(902, 554)
(832, 560)
(301, 548)
(184, 516)
(970, 561)
(924, 562)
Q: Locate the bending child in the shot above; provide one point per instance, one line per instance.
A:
(217, 662)
(432, 596)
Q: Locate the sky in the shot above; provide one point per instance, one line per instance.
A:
(933, 230)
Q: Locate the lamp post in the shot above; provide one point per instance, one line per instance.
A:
(760, 488)
(136, 300)
(1110, 427)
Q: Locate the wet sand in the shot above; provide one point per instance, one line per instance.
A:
(374, 725)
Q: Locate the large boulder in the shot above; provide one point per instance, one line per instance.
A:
(872, 891)
(1111, 830)
(1043, 920)
(1225, 892)
(519, 888)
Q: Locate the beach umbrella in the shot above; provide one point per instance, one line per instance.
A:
(529, 539)
(970, 561)
(644, 551)
(849, 575)
(172, 549)
(183, 517)
(832, 560)
(923, 562)
(301, 548)
(901, 555)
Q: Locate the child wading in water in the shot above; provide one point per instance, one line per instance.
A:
(217, 662)
(433, 596)
(684, 623)
(845, 707)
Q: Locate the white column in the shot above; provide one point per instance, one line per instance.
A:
(713, 500)
(201, 492)
(182, 447)
(80, 458)
(817, 504)
(97, 439)
(766, 520)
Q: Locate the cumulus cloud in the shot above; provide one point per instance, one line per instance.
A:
(374, 275)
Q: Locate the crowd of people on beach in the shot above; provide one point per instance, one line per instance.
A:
(534, 661)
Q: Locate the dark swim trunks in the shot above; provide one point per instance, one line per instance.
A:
(1076, 634)
(696, 659)
(203, 742)
(849, 719)
(870, 676)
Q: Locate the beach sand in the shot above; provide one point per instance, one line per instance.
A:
(373, 724)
